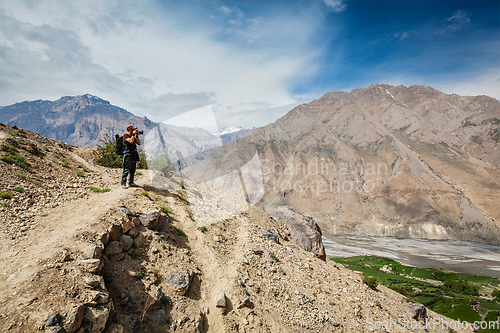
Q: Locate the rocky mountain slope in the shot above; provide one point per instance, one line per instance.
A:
(79, 120)
(410, 162)
(81, 254)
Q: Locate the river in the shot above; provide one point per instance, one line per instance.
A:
(458, 256)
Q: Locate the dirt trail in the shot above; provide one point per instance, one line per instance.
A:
(62, 228)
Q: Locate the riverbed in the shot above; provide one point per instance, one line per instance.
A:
(458, 256)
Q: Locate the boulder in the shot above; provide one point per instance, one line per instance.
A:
(179, 281)
(127, 242)
(417, 312)
(150, 220)
(305, 232)
(114, 247)
(74, 319)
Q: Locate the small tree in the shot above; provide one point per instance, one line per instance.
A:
(371, 282)
(105, 154)
(162, 163)
(496, 295)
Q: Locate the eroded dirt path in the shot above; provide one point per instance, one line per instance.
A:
(65, 227)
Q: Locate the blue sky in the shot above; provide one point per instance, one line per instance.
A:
(250, 60)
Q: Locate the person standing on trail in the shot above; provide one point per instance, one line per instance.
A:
(130, 156)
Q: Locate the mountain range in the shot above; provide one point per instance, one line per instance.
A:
(410, 162)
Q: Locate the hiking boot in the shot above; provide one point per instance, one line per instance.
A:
(133, 185)
(124, 186)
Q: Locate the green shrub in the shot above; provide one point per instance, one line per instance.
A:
(46, 148)
(400, 290)
(38, 183)
(20, 175)
(13, 134)
(105, 154)
(145, 193)
(80, 173)
(80, 165)
(19, 161)
(496, 295)
(203, 228)
(166, 210)
(135, 254)
(163, 164)
(370, 282)
(138, 173)
(88, 170)
(180, 232)
(5, 204)
(461, 286)
(138, 275)
(5, 195)
(9, 149)
(64, 164)
(18, 189)
(7, 159)
(97, 190)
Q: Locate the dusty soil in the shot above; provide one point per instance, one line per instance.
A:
(269, 285)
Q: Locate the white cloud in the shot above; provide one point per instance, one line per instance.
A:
(455, 23)
(152, 61)
(484, 83)
(336, 5)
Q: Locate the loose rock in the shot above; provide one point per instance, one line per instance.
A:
(159, 317)
(114, 247)
(115, 232)
(179, 281)
(74, 319)
(53, 318)
(127, 242)
(220, 300)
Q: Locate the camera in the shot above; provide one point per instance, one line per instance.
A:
(140, 132)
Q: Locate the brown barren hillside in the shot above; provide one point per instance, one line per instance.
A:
(410, 162)
(134, 260)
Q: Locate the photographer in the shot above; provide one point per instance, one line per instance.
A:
(130, 156)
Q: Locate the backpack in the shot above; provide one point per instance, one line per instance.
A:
(120, 148)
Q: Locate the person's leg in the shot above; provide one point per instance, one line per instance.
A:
(125, 174)
(132, 173)
(126, 171)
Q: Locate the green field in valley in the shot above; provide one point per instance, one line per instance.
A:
(455, 295)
